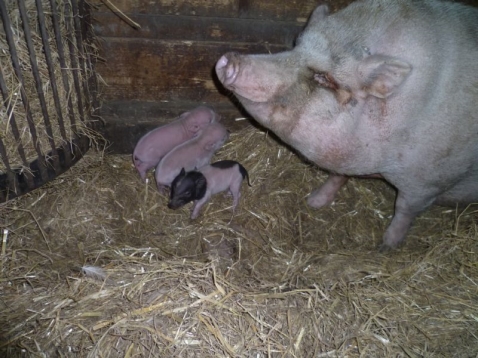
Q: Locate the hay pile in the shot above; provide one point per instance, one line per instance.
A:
(277, 279)
(70, 103)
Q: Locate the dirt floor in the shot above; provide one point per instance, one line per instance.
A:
(95, 265)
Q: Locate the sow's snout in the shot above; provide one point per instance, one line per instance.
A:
(227, 68)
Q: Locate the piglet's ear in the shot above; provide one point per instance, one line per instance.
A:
(381, 75)
(209, 146)
(182, 172)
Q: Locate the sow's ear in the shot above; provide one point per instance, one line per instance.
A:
(380, 75)
(319, 14)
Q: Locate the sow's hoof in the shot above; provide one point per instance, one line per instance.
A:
(317, 199)
(383, 248)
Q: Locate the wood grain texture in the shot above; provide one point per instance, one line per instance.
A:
(294, 10)
(193, 28)
(172, 56)
(156, 70)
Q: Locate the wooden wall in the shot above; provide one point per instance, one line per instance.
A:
(167, 66)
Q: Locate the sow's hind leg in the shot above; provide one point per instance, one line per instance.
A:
(462, 194)
(410, 203)
(407, 207)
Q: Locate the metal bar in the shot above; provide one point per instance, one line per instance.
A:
(49, 61)
(79, 46)
(91, 85)
(73, 59)
(12, 183)
(13, 125)
(61, 58)
(38, 82)
(18, 73)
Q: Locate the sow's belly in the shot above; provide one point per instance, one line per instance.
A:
(348, 156)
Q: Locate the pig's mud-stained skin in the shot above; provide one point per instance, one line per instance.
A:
(154, 145)
(192, 154)
(382, 88)
(200, 185)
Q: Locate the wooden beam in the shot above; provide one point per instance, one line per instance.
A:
(190, 28)
(245, 9)
(155, 70)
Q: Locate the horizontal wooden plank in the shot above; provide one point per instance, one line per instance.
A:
(154, 70)
(137, 111)
(293, 10)
(278, 10)
(198, 29)
(127, 121)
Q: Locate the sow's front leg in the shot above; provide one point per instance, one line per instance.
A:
(325, 195)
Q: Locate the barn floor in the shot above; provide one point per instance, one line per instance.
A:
(276, 279)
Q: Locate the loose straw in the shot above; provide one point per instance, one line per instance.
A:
(121, 14)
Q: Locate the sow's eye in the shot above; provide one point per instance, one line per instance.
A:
(325, 80)
(343, 95)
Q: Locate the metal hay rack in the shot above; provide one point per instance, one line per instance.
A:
(48, 90)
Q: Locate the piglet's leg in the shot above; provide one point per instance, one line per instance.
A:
(235, 190)
(162, 189)
(198, 205)
(325, 195)
(142, 174)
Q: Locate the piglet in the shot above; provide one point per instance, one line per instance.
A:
(211, 179)
(190, 155)
(157, 143)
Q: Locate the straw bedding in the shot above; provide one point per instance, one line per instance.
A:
(276, 279)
